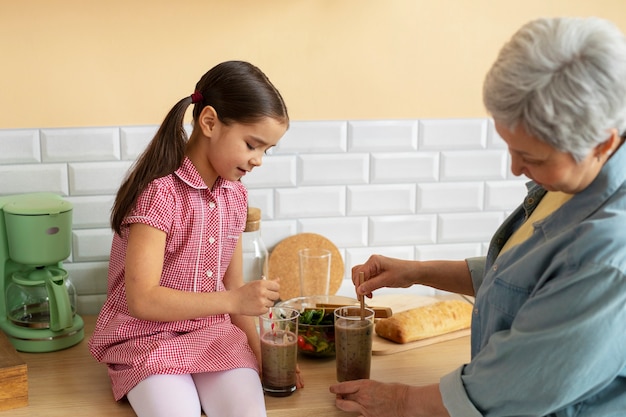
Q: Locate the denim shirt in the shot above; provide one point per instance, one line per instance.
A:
(549, 323)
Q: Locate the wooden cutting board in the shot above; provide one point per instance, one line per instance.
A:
(284, 263)
(402, 302)
(13, 377)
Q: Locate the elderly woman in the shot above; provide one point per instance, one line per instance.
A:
(549, 323)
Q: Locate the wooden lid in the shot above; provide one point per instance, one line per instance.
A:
(253, 220)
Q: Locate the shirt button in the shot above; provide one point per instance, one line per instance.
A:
(495, 267)
(211, 239)
(211, 204)
(476, 311)
(209, 273)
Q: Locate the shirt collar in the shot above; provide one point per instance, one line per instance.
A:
(188, 173)
(609, 181)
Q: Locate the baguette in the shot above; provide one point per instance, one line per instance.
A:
(427, 321)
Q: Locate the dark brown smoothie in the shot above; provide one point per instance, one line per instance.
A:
(353, 347)
(279, 355)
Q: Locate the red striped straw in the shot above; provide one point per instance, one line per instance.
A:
(271, 315)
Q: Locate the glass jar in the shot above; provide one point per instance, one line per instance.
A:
(255, 253)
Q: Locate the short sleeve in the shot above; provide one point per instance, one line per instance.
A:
(154, 207)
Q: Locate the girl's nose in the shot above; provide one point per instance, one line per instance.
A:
(257, 160)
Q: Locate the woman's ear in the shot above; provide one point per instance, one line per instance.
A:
(610, 145)
(207, 120)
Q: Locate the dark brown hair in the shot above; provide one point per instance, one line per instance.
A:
(238, 91)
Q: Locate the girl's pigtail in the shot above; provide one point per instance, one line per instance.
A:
(164, 154)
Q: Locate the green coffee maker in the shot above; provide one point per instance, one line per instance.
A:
(37, 299)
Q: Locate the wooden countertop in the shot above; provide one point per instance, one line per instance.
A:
(71, 383)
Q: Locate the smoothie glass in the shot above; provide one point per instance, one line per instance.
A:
(353, 342)
(278, 330)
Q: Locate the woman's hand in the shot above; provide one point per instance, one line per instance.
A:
(370, 398)
(380, 271)
(377, 399)
(256, 297)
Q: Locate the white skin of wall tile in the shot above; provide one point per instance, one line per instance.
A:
(413, 189)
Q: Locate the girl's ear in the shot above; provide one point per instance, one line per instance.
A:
(207, 120)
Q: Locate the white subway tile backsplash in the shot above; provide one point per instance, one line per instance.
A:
(310, 202)
(91, 211)
(452, 134)
(382, 135)
(89, 245)
(135, 139)
(342, 231)
(473, 165)
(88, 144)
(358, 256)
(262, 198)
(452, 251)
(329, 169)
(449, 197)
(467, 227)
(19, 146)
(402, 230)
(504, 195)
(275, 231)
(414, 167)
(34, 178)
(97, 177)
(88, 277)
(381, 199)
(410, 189)
(314, 137)
(276, 171)
(494, 141)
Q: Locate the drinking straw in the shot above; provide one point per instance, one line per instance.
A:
(362, 297)
(271, 314)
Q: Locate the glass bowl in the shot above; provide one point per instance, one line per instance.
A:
(316, 328)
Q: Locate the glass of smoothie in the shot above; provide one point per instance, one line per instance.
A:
(353, 342)
(278, 330)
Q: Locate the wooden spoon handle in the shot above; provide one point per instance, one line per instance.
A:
(379, 312)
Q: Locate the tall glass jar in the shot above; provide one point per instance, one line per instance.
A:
(255, 253)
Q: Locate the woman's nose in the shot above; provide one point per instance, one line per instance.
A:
(517, 167)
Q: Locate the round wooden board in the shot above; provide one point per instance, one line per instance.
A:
(285, 264)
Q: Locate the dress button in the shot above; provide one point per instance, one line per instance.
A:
(209, 273)
(530, 200)
(211, 239)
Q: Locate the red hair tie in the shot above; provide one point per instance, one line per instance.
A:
(196, 97)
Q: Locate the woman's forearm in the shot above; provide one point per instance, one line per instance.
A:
(453, 276)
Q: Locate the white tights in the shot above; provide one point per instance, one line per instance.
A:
(235, 393)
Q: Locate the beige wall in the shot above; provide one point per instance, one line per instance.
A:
(126, 62)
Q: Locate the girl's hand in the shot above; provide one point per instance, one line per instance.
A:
(299, 380)
(256, 297)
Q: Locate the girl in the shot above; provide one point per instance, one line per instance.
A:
(177, 330)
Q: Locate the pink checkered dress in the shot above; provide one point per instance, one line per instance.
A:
(202, 229)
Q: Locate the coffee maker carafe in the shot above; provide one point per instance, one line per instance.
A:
(37, 299)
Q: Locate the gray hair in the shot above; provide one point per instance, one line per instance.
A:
(563, 80)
